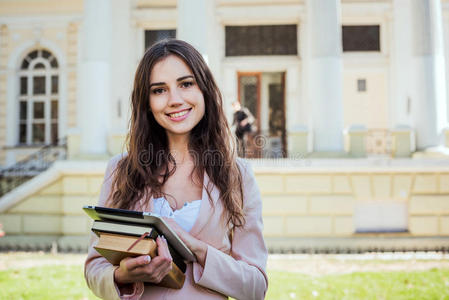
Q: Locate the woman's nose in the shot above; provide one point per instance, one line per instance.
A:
(175, 98)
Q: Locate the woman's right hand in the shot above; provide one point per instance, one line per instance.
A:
(144, 268)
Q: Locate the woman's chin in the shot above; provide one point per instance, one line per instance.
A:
(178, 132)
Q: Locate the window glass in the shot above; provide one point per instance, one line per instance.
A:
(53, 62)
(361, 85)
(23, 133)
(54, 133)
(361, 38)
(46, 54)
(23, 110)
(23, 85)
(38, 110)
(153, 36)
(38, 85)
(25, 64)
(261, 40)
(39, 66)
(54, 84)
(249, 92)
(54, 109)
(33, 55)
(38, 133)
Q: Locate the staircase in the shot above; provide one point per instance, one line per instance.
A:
(36, 163)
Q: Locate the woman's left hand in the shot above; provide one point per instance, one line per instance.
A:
(198, 247)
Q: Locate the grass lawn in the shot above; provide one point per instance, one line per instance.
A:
(45, 282)
(432, 284)
(67, 282)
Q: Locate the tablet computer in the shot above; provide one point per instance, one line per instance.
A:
(99, 213)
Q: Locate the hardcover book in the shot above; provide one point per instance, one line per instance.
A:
(134, 229)
(116, 246)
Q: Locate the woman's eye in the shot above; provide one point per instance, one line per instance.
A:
(157, 91)
(187, 84)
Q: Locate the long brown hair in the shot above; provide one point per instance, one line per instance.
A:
(210, 142)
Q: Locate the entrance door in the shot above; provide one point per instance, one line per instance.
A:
(263, 94)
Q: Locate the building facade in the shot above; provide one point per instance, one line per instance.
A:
(326, 77)
(307, 70)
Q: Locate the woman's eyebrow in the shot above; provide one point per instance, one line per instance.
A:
(156, 83)
(185, 77)
(179, 79)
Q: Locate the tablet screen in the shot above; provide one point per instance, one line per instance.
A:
(128, 216)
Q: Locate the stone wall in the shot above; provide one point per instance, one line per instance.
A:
(300, 203)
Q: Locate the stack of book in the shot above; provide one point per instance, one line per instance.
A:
(118, 240)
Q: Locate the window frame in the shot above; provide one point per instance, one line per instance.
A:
(380, 19)
(297, 47)
(30, 98)
(167, 30)
(379, 25)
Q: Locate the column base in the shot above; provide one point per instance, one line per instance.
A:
(439, 152)
(403, 142)
(446, 137)
(355, 141)
(298, 143)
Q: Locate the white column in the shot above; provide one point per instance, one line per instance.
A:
(324, 73)
(94, 97)
(123, 65)
(428, 89)
(197, 25)
(401, 71)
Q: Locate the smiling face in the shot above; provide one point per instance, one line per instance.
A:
(176, 101)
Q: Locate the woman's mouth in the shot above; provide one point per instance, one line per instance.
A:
(179, 116)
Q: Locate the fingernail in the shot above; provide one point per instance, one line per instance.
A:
(147, 259)
(163, 237)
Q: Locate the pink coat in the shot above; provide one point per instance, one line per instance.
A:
(234, 268)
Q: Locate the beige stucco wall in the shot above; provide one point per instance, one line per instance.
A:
(33, 7)
(296, 203)
(3, 81)
(322, 204)
(18, 37)
(56, 209)
(359, 106)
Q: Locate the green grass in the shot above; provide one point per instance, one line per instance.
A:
(432, 284)
(48, 282)
(67, 282)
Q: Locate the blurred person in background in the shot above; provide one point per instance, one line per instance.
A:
(243, 122)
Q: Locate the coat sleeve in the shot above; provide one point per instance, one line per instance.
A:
(242, 274)
(98, 272)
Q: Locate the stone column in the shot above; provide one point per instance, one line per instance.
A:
(428, 104)
(401, 73)
(94, 97)
(122, 74)
(197, 25)
(324, 73)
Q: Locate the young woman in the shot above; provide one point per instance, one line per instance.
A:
(181, 164)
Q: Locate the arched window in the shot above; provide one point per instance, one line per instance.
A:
(38, 99)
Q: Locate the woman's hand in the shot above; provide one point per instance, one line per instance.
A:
(145, 268)
(198, 247)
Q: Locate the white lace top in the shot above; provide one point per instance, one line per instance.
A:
(185, 216)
